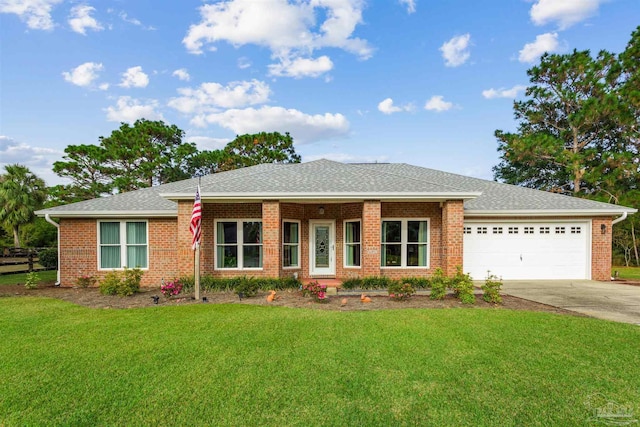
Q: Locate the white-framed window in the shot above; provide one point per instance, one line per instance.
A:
(405, 243)
(481, 230)
(290, 244)
(544, 230)
(467, 230)
(497, 230)
(576, 230)
(352, 243)
(528, 230)
(560, 230)
(513, 230)
(238, 244)
(123, 244)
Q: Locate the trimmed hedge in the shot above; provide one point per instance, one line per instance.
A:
(243, 283)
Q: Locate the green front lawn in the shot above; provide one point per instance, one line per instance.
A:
(20, 278)
(631, 273)
(203, 364)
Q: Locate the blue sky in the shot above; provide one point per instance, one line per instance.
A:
(424, 82)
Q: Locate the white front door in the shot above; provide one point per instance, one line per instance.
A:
(322, 248)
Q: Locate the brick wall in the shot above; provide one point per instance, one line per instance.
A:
(271, 238)
(452, 227)
(601, 249)
(371, 237)
(79, 250)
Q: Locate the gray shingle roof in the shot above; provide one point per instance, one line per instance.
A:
(325, 179)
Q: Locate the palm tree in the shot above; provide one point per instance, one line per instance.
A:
(21, 193)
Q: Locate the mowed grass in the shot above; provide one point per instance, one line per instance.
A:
(241, 365)
(632, 273)
(21, 278)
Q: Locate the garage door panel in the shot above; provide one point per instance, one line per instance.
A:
(531, 255)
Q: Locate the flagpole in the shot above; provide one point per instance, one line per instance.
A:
(196, 229)
(196, 272)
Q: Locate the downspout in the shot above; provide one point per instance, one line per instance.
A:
(617, 220)
(50, 221)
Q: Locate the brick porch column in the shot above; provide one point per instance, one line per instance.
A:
(601, 249)
(452, 228)
(185, 253)
(271, 238)
(371, 229)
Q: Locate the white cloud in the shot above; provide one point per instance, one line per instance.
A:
(437, 103)
(80, 19)
(103, 86)
(84, 74)
(289, 30)
(244, 62)
(207, 142)
(503, 93)
(39, 160)
(411, 5)
(182, 74)
(304, 128)
(129, 110)
(565, 12)
(134, 21)
(134, 77)
(456, 51)
(547, 42)
(36, 13)
(209, 97)
(301, 67)
(386, 106)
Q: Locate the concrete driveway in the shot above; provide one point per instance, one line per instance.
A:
(604, 300)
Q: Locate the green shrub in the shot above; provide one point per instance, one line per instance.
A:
(48, 258)
(131, 283)
(354, 283)
(417, 282)
(491, 289)
(32, 280)
(110, 283)
(439, 284)
(229, 284)
(376, 282)
(247, 286)
(122, 284)
(85, 281)
(400, 290)
(462, 286)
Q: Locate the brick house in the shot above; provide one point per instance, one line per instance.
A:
(325, 219)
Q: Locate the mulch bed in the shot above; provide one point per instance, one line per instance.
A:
(91, 297)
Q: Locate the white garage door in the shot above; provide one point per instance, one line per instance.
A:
(527, 250)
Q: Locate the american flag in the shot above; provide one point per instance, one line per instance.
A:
(196, 218)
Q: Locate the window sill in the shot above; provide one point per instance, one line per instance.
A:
(395, 267)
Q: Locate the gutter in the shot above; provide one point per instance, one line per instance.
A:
(50, 221)
(622, 218)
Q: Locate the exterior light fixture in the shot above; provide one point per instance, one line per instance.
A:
(603, 228)
(321, 210)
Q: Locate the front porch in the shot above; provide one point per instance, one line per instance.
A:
(327, 241)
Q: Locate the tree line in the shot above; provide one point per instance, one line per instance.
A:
(144, 154)
(578, 132)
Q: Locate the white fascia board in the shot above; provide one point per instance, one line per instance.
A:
(108, 214)
(548, 212)
(324, 196)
